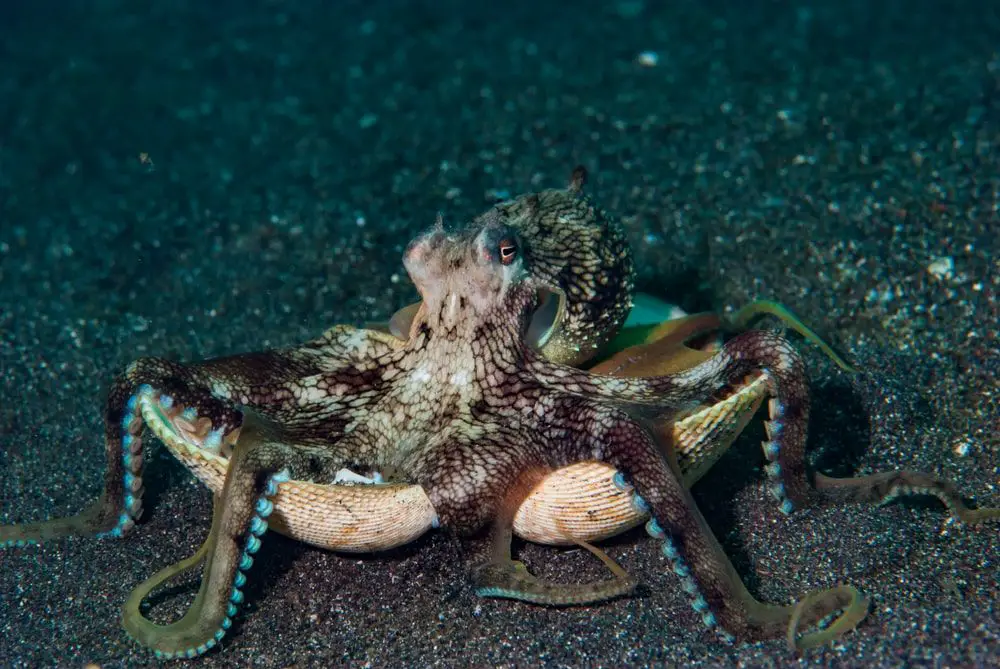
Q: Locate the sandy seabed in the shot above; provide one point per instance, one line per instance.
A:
(190, 181)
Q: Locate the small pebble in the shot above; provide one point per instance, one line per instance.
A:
(942, 268)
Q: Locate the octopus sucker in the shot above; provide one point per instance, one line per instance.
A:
(226, 557)
(488, 405)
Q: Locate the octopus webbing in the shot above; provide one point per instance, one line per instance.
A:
(468, 407)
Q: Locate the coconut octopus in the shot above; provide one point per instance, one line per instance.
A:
(478, 403)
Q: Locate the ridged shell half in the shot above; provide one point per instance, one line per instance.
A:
(578, 501)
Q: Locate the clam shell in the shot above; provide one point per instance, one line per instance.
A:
(579, 501)
(582, 501)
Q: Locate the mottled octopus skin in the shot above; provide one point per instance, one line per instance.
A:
(473, 413)
(572, 504)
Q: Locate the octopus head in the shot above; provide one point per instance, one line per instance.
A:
(467, 276)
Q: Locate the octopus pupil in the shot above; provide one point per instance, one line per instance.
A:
(508, 250)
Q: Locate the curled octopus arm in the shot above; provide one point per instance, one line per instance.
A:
(264, 457)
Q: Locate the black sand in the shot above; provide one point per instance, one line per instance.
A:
(826, 155)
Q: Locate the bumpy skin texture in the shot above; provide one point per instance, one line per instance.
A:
(590, 263)
(471, 411)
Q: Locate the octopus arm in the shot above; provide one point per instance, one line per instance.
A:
(503, 577)
(706, 574)
(262, 460)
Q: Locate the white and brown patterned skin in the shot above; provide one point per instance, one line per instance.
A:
(467, 408)
(590, 264)
(578, 255)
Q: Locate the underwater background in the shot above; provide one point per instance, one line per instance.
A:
(191, 179)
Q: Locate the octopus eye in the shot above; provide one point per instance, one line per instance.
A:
(508, 251)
